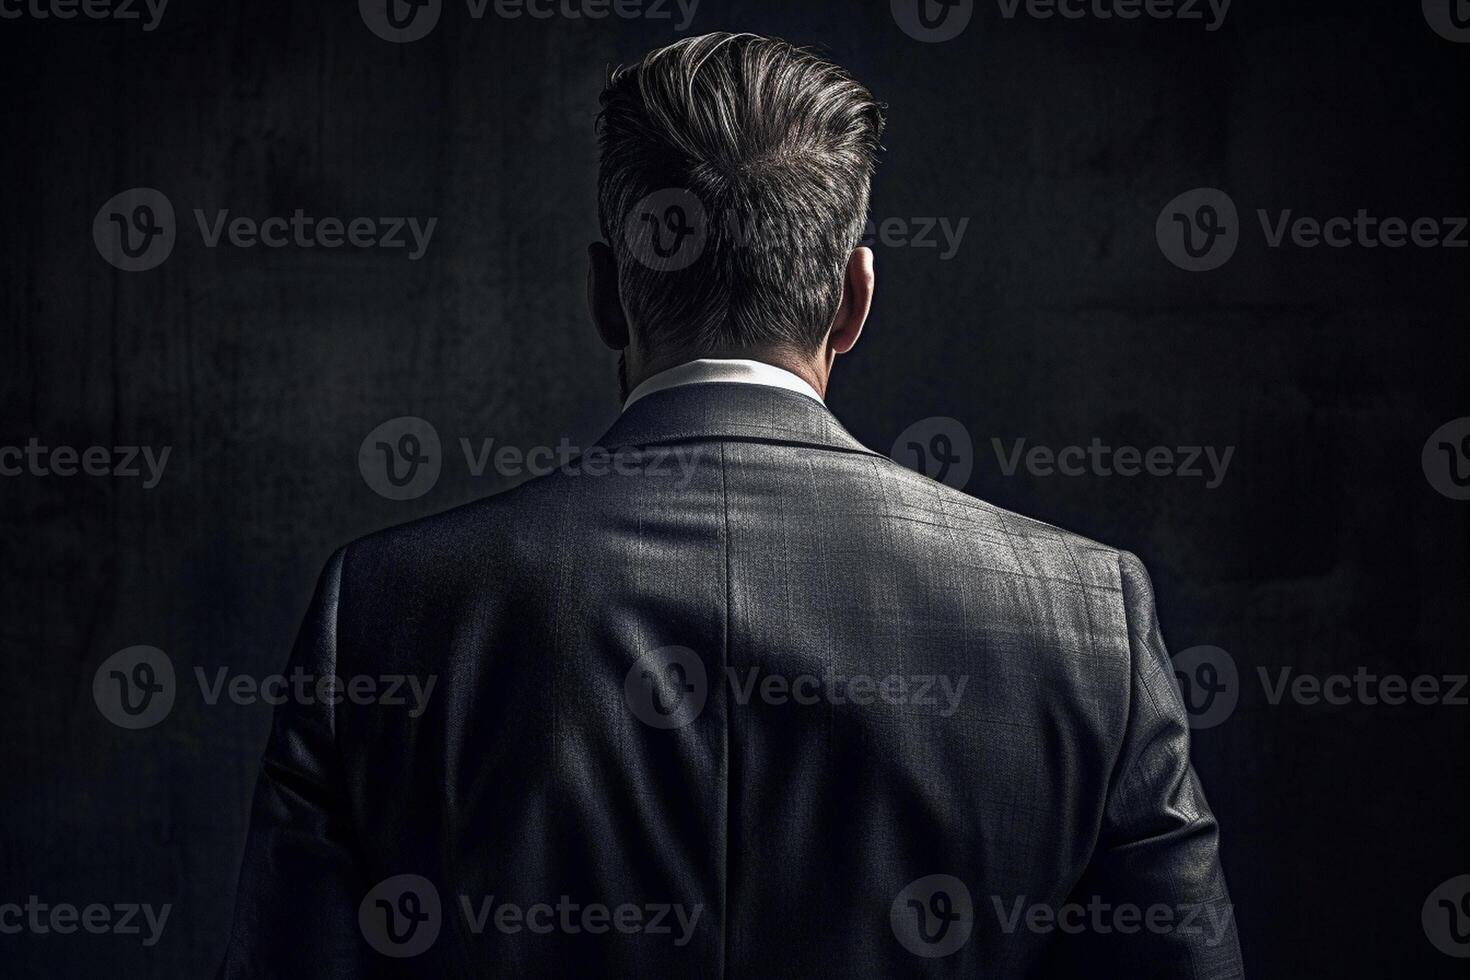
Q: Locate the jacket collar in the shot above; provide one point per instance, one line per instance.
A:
(723, 410)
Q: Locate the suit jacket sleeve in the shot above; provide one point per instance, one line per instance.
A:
(301, 878)
(1158, 848)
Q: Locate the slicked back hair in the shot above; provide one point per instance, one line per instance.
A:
(770, 150)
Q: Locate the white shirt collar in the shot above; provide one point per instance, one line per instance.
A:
(722, 370)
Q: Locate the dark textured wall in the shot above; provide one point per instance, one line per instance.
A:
(1057, 319)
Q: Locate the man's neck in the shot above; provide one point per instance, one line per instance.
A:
(812, 369)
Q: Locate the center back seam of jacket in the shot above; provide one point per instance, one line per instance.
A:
(724, 672)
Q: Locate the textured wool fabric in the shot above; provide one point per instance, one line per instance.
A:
(1044, 762)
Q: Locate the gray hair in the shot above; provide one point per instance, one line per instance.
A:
(761, 154)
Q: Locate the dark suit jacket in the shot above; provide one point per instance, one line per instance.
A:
(832, 717)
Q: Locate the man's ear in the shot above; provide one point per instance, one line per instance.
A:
(603, 301)
(857, 300)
